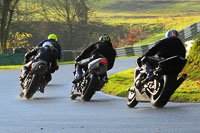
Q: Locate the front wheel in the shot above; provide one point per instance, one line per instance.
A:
(90, 88)
(162, 96)
(131, 99)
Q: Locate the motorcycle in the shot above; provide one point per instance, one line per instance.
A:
(156, 85)
(92, 79)
(34, 79)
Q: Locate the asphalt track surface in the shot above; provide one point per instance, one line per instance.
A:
(55, 112)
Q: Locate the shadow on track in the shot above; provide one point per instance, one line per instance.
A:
(54, 85)
(43, 99)
(95, 100)
(170, 107)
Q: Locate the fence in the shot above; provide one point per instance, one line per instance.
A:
(69, 55)
(16, 59)
(11, 59)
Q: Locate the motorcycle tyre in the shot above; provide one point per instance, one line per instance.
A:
(163, 95)
(89, 91)
(32, 87)
(132, 102)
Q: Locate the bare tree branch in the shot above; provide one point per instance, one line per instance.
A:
(7, 13)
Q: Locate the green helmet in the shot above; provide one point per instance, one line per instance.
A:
(52, 36)
(104, 38)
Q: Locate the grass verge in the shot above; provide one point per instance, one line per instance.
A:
(119, 83)
(10, 67)
(19, 66)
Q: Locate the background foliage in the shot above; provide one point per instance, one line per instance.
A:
(79, 23)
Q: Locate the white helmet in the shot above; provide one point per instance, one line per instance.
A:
(48, 44)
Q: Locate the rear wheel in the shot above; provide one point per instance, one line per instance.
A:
(90, 88)
(162, 96)
(32, 87)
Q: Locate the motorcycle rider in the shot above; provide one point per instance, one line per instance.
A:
(46, 53)
(102, 48)
(52, 38)
(167, 47)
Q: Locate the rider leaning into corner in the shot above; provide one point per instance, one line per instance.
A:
(52, 38)
(48, 51)
(167, 47)
(102, 48)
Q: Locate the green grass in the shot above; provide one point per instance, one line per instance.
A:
(150, 40)
(64, 63)
(119, 83)
(189, 91)
(173, 7)
(10, 67)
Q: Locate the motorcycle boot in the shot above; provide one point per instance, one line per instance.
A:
(75, 89)
(42, 86)
(77, 74)
(44, 82)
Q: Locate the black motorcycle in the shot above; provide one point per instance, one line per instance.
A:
(34, 79)
(93, 79)
(155, 82)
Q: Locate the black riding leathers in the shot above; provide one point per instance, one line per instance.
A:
(96, 50)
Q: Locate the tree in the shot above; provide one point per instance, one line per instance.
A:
(72, 13)
(7, 10)
(19, 40)
(26, 10)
